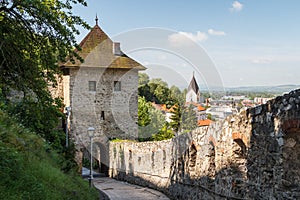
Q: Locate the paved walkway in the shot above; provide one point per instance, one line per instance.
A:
(118, 190)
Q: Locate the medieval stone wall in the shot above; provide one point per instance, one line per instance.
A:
(252, 155)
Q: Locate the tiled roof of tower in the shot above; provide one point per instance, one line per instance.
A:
(97, 51)
(193, 85)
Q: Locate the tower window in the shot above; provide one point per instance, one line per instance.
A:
(102, 115)
(117, 85)
(92, 86)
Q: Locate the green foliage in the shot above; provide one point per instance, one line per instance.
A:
(41, 117)
(67, 162)
(157, 121)
(120, 140)
(158, 81)
(144, 91)
(30, 169)
(152, 123)
(209, 116)
(189, 118)
(164, 134)
(34, 37)
(156, 90)
(176, 117)
(143, 112)
(143, 79)
(176, 95)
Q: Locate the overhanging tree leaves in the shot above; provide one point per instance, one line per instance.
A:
(35, 35)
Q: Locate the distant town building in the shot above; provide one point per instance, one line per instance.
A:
(193, 92)
(235, 98)
(193, 98)
(221, 111)
(168, 113)
(201, 114)
(260, 100)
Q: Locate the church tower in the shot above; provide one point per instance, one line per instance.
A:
(193, 92)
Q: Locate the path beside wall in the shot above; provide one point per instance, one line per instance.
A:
(252, 155)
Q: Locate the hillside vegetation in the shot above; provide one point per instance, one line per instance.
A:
(29, 169)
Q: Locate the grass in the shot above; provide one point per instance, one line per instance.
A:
(29, 169)
(122, 140)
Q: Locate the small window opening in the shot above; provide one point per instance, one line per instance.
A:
(117, 85)
(102, 117)
(92, 86)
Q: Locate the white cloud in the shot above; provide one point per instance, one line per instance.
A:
(214, 32)
(162, 57)
(261, 61)
(236, 6)
(146, 63)
(186, 38)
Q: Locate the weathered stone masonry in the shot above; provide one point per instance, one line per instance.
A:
(252, 155)
(102, 93)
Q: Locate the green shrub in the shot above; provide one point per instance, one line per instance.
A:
(30, 169)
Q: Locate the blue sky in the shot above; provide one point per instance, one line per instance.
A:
(250, 42)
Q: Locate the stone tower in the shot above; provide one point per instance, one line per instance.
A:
(102, 93)
(193, 92)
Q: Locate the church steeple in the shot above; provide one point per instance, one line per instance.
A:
(193, 92)
(193, 85)
(96, 19)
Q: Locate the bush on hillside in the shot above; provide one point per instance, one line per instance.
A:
(29, 169)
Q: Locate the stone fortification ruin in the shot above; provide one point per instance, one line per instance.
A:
(252, 155)
(102, 93)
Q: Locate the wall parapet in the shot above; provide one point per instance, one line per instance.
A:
(251, 155)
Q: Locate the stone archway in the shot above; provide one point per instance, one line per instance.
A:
(291, 155)
(239, 150)
(212, 162)
(192, 160)
(101, 154)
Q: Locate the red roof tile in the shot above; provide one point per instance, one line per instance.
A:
(205, 122)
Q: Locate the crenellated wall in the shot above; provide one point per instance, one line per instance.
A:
(252, 155)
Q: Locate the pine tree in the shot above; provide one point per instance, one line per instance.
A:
(176, 117)
(189, 118)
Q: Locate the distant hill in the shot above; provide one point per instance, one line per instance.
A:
(271, 89)
(279, 89)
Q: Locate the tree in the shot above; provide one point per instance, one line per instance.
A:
(143, 79)
(157, 120)
(158, 81)
(175, 92)
(143, 112)
(176, 117)
(161, 93)
(164, 134)
(144, 91)
(34, 37)
(189, 118)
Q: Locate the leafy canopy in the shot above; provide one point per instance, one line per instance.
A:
(35, 36)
